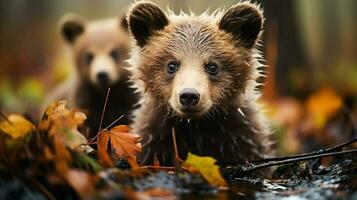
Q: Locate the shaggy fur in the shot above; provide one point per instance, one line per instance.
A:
(230, 125)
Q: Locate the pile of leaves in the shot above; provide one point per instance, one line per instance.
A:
(53, 160)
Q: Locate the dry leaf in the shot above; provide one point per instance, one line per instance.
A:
(16, 126)
(103, 140)
(206, 167)
(63, 122)
(122, 142)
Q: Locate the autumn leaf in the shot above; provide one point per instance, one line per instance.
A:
(322, 105)
(103, 140)
(122, 142)
(206, 167)
(59, 120)
(16, 126)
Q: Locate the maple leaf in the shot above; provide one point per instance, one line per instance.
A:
(103, 140)
(16, 126)
(58, 120)
(206, 166)
(123, 144)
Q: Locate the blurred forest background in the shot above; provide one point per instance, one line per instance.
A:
(310, 47)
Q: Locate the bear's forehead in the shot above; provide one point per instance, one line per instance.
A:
(192, 37)
(102, 38)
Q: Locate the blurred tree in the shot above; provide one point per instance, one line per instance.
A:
(284, 42)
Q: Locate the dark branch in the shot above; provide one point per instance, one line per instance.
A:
(287, 161)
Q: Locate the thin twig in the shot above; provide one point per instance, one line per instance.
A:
(332, 149)
(274, 163)
(115, 121)
(177, 158)
(318, 152)
(90, 141)
(103, 112)
(168, 168)
(174, 142)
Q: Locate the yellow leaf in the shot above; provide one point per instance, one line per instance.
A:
(16, 126)
(206, 167)
(323, 105)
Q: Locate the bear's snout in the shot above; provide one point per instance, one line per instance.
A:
(189, 97)
(103, 78)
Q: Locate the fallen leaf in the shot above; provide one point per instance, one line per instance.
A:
(102, 143)
(122, 142)
(16, 126)
(206, 166)
(59, 120)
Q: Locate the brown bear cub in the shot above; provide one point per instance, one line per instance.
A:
(99, 50)
(198, 75)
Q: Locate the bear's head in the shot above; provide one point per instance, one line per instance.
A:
(100, 48)
(196, 65)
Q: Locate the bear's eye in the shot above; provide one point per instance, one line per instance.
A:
(88, 57)
(115, 54)
(172, 67)
(212, 68)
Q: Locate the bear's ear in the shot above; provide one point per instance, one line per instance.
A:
(124, 23)
(144, 20)
(71, 26)
(244, 21)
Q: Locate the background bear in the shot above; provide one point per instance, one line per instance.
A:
(198, 75)
(99, 50)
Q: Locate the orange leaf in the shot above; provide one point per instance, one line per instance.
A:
(133, 163)
(102, 143)
(123, 142)
(58, 120)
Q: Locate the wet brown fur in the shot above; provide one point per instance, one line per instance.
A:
(234, 129)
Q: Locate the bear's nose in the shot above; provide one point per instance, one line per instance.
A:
(189, 97)
(103, 78)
